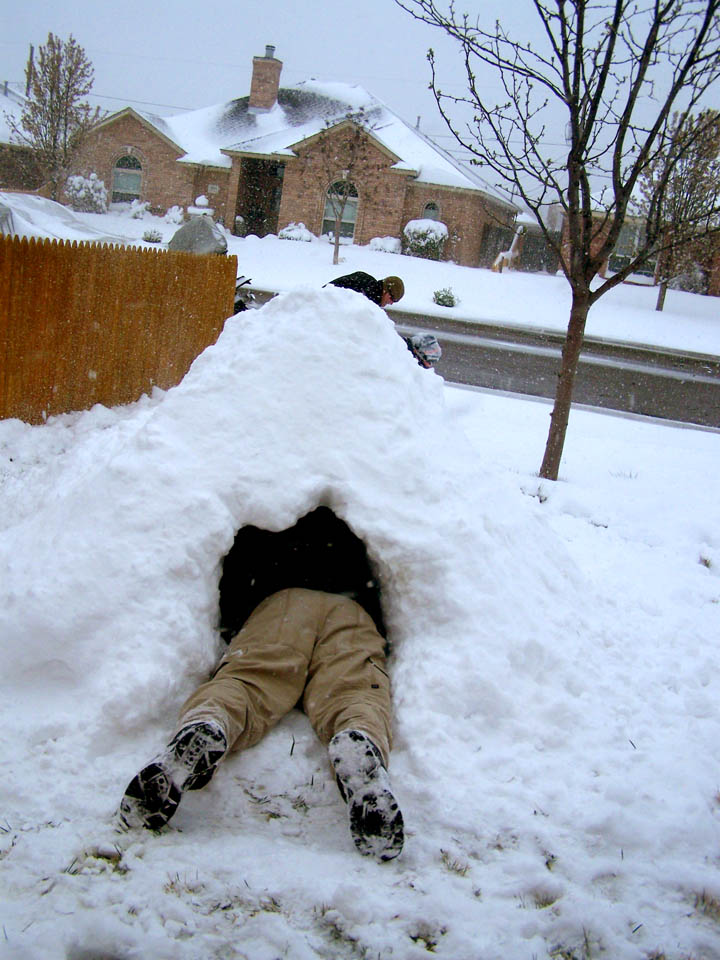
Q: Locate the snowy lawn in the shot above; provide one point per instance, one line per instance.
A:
(555, 663)
(688, 322)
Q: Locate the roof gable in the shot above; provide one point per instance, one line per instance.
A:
(337, 127)
(142, 118)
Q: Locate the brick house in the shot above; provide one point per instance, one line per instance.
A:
(704, 254)
(262, 163)
(18, 168)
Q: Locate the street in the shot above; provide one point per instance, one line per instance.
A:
(642, 380)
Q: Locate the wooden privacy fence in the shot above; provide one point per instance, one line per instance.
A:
(82, 324)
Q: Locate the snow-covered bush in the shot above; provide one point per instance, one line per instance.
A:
(445, 297)
(175, 214)
(424, 238)
(138, 209)
(152, 236)
(693, 280)
(385, 245)
(296, 231)
(87, 194)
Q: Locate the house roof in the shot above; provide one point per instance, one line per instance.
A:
(11, 103)
(211, 135)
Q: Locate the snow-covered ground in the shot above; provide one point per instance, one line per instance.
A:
(688, 322)
(555, 659)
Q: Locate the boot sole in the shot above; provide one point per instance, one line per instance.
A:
(376, 824)
(150, 800)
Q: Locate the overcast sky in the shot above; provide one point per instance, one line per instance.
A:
(189, 54)
(182, 54)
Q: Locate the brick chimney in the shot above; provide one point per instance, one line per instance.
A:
(265, 82)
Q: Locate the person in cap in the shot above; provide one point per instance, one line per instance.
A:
(424, 347)
(301, 612)
(382, 292)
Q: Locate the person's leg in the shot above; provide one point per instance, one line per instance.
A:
(260, 678)
(348, 686)
(347, 699)
(263, 673)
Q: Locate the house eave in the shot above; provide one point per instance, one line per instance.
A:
(254, 155)
(474, 191)
(130, 112)
(205, 165)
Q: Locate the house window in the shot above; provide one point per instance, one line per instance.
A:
(631, 239)
(431, 211)
(337, 192)
(127, 180)
(628, 241)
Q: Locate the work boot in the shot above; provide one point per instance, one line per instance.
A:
(376, 823)
(187, 763)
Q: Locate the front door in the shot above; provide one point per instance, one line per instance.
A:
(259, 195)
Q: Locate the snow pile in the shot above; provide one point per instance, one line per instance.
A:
(296, 231)
(312, 400)
(108, 603)
(385, 245)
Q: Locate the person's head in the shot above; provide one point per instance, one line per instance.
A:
(393, 290)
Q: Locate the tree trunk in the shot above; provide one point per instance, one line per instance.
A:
(336, 250)
(661, 295)
(566, 381)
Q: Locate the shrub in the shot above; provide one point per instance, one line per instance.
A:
(138, 209)
(693, 280)
(385, 244)
(174, 215)
(296, 231)
(424, 238)
(152, 236)
(87, 194)
(445, 298)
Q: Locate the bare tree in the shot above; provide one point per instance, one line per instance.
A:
(610, 72)
(55, 118)
(680, 189)
(338, 194)
(345, 160)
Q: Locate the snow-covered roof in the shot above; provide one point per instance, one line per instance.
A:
(11, 104)
(211, 135)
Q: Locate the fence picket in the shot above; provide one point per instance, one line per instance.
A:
(83, 323)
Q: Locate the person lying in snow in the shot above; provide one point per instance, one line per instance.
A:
(382, 292)
(301, 612)
(423, 346)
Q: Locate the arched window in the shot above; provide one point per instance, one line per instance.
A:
(127, 180)
(431, 211)
(342, 198)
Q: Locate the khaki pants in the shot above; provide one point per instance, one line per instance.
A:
(306, 645)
